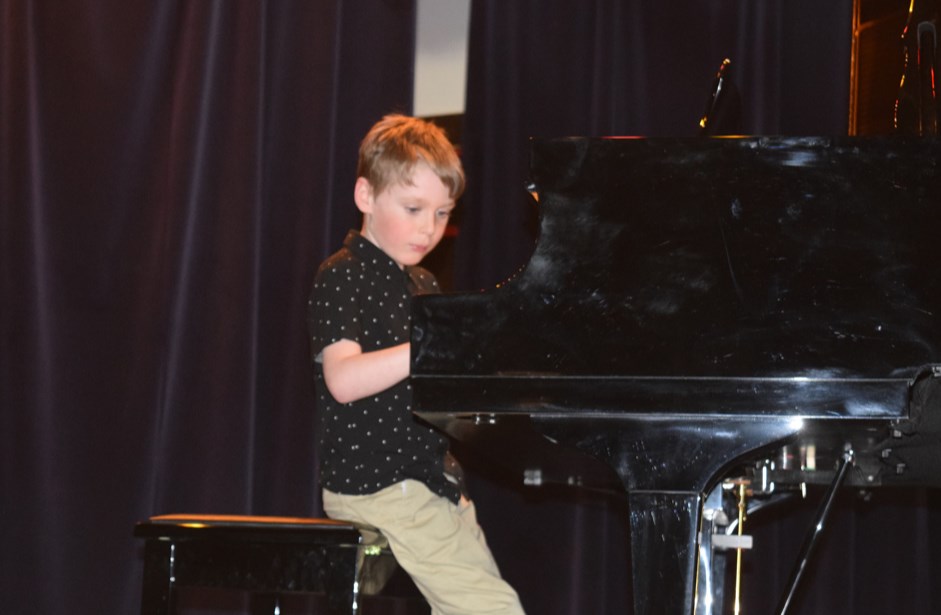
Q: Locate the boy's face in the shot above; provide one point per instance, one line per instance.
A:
(406, 221)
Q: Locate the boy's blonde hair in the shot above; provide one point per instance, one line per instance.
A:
(396, 143)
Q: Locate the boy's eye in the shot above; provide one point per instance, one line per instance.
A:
(444, 213)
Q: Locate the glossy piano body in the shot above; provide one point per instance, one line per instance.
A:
(690, 304)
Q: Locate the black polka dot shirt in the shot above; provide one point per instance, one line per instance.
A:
(360, 294)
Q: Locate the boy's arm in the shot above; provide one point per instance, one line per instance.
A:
(351, 374)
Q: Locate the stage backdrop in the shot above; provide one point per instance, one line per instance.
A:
(171, 173)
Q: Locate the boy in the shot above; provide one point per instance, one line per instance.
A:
(379, 466)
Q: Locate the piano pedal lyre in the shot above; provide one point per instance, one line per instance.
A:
(718, 535)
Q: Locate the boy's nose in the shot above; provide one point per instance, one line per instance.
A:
(427, 224)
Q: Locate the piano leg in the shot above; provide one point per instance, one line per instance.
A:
(667, 468)
(664, 528)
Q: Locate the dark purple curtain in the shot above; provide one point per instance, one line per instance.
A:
(630, 67)
(171, 173)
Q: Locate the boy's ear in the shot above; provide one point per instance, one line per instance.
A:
(362, 195)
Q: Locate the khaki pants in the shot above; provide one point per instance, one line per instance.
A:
(438, 543)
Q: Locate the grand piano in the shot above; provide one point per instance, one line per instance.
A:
(694, 308)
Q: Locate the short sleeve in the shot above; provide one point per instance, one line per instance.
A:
(332, 309)
(422, 281)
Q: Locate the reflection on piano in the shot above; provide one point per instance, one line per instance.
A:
(691, 308)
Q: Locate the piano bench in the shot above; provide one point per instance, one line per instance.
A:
(266, 556)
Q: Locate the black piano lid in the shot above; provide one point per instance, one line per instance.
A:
(752, 275)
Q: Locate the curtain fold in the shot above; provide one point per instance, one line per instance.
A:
(171, 174)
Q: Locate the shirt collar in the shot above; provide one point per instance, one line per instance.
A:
(368, 251)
